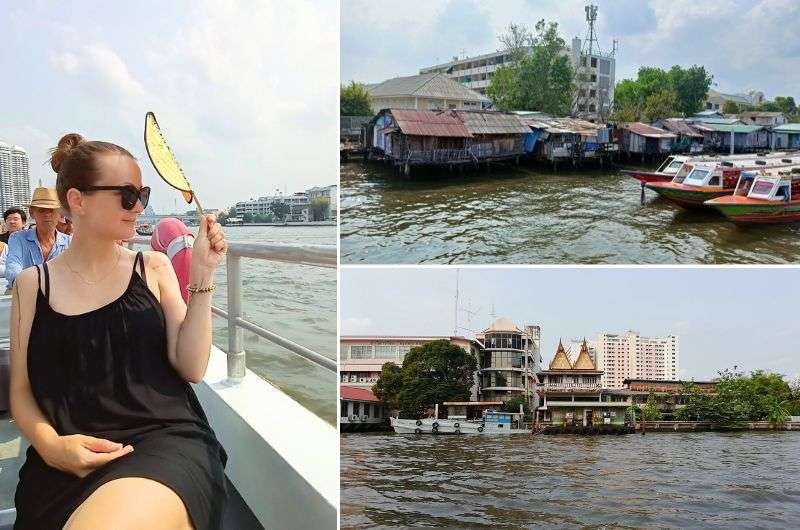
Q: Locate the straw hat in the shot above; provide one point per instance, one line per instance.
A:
(45, 198)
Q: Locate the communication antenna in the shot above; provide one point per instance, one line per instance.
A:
(492, 314)
(615, 48)
(591, 18)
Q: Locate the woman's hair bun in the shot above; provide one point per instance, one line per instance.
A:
(59, 153)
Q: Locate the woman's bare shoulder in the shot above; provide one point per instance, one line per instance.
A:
(27, 283)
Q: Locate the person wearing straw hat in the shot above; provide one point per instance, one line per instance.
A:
(34, 246)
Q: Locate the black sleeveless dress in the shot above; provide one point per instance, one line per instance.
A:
(106, 374)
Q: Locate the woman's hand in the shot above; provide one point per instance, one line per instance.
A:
(80, 455)
(208, 251)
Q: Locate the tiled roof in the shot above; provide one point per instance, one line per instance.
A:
(357, 394)
(679, 126)
(560, 361)
(426, 85)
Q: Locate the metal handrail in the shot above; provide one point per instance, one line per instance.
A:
(313, 255)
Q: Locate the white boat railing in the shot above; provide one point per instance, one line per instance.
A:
(311, 255)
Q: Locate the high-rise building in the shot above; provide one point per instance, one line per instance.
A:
(15, 182)
(631, 356)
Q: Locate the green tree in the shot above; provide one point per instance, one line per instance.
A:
(730, 107)
(541, 76)
(247, 218)
(389, 385)
(512, 405)
(431, 373)
(660, 105)
(260, 218)
(660, 93)
(691, 87)
(318, 208)
(786, 104)
(354, 100)
(651, 411)
(280, 210)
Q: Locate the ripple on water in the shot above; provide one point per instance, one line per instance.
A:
(698, 480)
(533, 217)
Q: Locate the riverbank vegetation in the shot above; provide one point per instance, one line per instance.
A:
(740, 398)
(657, 94)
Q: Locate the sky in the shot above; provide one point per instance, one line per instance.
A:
(246, 92)
(723, 317)
(745, 44)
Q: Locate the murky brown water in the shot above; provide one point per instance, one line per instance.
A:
(661, 480)
(531, 216)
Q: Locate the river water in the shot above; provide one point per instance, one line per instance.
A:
(295, 301)
(661, 480)
(533, 216)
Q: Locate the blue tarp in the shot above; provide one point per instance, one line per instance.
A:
(529, 140)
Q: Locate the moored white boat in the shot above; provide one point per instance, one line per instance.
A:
(491, 423)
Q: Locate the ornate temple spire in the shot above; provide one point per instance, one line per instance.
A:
(584, 360)
(560, 361)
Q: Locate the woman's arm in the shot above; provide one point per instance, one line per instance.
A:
(77, 454)
(189, 325)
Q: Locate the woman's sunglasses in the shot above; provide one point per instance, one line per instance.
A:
(128, 194)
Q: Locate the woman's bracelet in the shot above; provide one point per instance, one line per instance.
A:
(195, 290)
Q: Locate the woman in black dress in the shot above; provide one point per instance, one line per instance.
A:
(103, 350)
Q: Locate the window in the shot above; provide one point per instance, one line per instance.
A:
(356, 409)
(367, 410)
(594, 62)
(360, 351)
(343, 410)
(383, 351)
(593, 78)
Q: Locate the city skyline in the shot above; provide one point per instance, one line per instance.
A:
(570, 303)
(652, 33)
(225, 99)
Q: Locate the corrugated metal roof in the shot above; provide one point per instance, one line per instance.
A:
(491, 122)
(788, 128)
(427, 85)
(647, 131)
(719, 121)
(736, 128)
(430, 123)
(679, 126)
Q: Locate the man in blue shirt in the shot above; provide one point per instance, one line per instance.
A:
(34, 246)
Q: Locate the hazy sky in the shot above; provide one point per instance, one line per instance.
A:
(722, 316)
(745, 44)
(246, 91)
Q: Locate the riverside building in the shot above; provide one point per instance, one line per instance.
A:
(15, 182)
(631, 356)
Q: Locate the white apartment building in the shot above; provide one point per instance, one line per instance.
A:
(15, 182)
(595, 95)
(298, 206)
(631, 356)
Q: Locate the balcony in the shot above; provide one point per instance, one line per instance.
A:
(567, 387)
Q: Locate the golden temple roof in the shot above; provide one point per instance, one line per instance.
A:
(584, 360)
(560, 361)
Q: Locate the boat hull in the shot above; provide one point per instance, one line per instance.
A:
(745, 211)
(646, 177)
(688, 196)
(426, 426)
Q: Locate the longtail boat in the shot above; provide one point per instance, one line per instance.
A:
(763, 198)
(709, 180)
(681, 165)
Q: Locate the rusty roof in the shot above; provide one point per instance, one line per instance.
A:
(561, 125)
(646, 130)
(681, 127)
(430, 123)
(492, 122)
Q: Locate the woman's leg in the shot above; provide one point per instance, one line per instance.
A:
(131, 504)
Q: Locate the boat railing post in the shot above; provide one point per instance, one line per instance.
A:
(236, 353)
